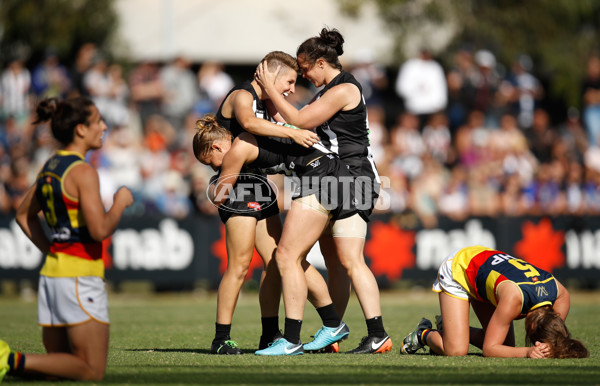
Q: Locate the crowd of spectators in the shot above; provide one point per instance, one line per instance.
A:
(470, 138)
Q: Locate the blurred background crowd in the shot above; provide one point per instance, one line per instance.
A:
(467, 138)
(457, 135)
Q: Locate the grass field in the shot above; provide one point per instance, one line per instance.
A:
(164, 339)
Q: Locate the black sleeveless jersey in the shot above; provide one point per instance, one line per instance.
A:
(259, 107)
(259, 202)
(347, 132)
(273, 152)
(319, 172)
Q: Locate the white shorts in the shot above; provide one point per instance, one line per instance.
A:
(445, 282)
(67, 301)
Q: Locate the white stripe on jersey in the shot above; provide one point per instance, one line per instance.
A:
(257, 113)
(333, 140)
(335, 147)
(372, 162)
(319, 146)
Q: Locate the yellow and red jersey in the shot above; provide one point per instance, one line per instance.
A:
(479, 270)
(73, 252)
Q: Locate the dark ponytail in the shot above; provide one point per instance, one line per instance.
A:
(64, 116)
(329, 45)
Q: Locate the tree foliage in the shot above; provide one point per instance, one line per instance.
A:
(29, 27)
(558, 34)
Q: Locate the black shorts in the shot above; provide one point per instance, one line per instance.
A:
(253, 197)
(366, 181)
(330, 181)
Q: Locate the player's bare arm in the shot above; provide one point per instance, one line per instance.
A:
(83, 182)
(258, 126)
(28, 219)
(508, 309)
(342, 97)
(243, 151)
(562, 303)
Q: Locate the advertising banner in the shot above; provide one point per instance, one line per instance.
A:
(179, 253)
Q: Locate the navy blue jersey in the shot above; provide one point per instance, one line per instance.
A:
(69, 234)
(480, 270)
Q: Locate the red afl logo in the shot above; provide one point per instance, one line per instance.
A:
(48, 180)
(534, 279)
(254, 205)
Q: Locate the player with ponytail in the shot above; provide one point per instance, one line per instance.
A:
(338, 113)
(72, 301)
(500, 288)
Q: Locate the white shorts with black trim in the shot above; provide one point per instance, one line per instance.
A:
(68, 301)
(445, 281)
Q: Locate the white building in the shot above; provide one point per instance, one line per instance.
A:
(241, 31)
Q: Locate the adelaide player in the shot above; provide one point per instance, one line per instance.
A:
(501, 289)
(72, 302)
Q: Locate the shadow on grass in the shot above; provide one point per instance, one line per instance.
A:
(363, 374)
(252, 350)
(190, 350)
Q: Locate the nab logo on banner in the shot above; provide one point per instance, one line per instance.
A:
(16, 250)
(167, 247)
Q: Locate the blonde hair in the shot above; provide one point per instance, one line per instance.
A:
(544, 325)
(208, 132)
(280, 58)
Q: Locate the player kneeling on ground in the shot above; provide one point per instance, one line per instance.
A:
(501, 288)
(72, 301)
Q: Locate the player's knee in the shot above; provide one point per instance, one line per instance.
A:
(92, 374)
(283, 258)
(238, 273)
(456, 351)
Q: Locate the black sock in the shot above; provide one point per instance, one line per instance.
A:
(270, 326)
(16, 361)
(292, 330)
(329, 316)
(222, 332)
(375, 327)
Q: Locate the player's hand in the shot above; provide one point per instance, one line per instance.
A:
(123, 196)
(305, 138)
(539, 351)
(264, 77)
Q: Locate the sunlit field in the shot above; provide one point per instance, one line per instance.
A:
(165, 339)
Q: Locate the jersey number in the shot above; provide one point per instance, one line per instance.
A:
(523, 266)
(50, 214)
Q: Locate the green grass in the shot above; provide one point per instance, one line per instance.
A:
(164, 339)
